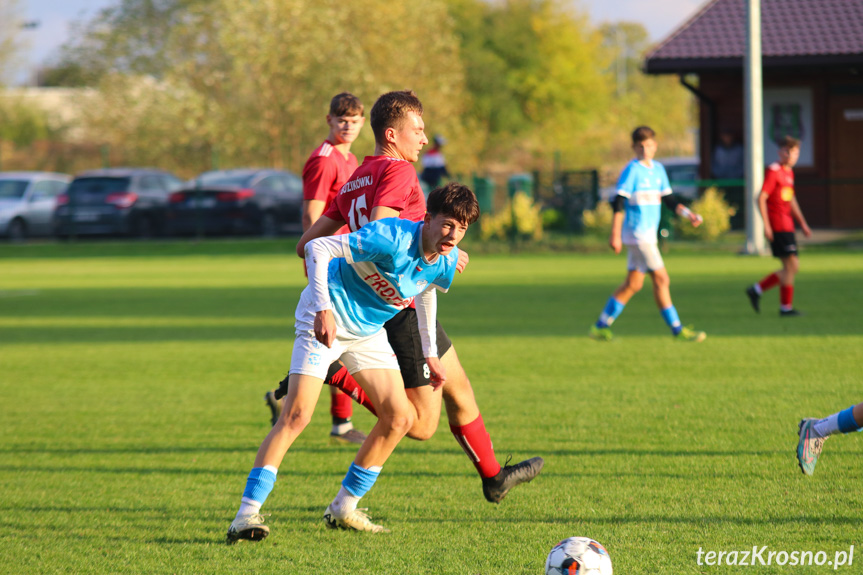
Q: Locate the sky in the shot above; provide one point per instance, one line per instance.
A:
(660, 17)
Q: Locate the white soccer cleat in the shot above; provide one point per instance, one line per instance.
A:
(249, 527)
(356, 520)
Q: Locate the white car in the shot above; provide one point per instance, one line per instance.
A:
(27, 202)
(682, 174)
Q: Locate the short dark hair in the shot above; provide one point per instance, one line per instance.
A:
(642, 133)
(391, 110)
(454, 200)
(788, 142)
(346, 104)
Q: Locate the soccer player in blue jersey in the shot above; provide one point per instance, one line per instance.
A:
(357, 282)
(814, 432)
(642, 188)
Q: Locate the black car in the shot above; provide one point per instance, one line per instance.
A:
(115, 201)
(240, 201)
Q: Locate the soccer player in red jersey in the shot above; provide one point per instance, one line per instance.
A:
(386, 186)
(779, 210)
(326, 170)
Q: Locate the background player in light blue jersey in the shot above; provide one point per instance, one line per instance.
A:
(357, 282)
(642, 188)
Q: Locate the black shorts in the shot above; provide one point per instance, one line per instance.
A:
(403, 333)
(784, 244)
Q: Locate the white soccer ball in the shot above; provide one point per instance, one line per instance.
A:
(578, 556)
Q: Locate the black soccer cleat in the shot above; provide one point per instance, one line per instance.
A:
(274, 405)
(790, 313)
(754, 298)
(495, 488)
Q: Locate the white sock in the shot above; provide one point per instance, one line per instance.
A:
(757, 288)
(827, 426)
(249, 506)
(344, 503)
(341, 428)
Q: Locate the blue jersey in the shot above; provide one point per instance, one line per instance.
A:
(384, 270)
(643, 189)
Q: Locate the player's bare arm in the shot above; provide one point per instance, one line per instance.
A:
(325, 226)
(685, 212)
(615, 240)
(798, 215)
(312, 211)
(762, 207)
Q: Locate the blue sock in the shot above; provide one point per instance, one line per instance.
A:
(359, 480)
(669, 314)
(259, 484)
(613, 308)
(847, 423)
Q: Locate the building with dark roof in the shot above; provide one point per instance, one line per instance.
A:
(812, 68)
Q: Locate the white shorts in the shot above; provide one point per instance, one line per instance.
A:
(644, 257)
(357, 353)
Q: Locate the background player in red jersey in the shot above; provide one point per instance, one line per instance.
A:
(385, 186)
(779, 209)
(328, 167)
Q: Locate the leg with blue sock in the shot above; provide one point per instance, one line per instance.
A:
(671, 318)
(303, 393)
(601, 330)
(662, 295)
(814, 432)
(342, 513)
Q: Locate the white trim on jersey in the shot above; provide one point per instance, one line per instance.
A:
(326, 150)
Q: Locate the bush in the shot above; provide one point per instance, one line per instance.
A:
(597, 222)
(716, 213)
(521, 211)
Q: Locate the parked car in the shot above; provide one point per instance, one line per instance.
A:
(124, 201)
(27, 202)
(681, 171)
(240, 201)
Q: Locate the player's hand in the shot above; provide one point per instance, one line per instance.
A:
(615, 242)
(436, 371)
(325, 327)
(695, 219)
(768, 233)
(462, 262)
(806, 231)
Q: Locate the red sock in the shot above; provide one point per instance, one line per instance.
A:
(475, 441)
(341, 406)
(770, 281)
(345, 382)
(786, 296)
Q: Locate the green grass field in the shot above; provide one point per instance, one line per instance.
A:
(131, 384)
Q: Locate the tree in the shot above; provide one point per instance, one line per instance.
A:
(10, 45)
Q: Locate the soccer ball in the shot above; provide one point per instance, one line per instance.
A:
(578, 556)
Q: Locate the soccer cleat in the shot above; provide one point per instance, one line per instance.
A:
(808, 447)
(495, 488)
(754, 298)
(600, 333)
(689, 334)
(275, 406)
(356, 520)
(790, 313)
(249, 527)
(350, 436)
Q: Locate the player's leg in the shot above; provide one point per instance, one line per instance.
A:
(341, 411)
(790, 266)
(374, 367)
(662, 295)
(303, 393)
(468, 428)
(814, 432)
(636, 266)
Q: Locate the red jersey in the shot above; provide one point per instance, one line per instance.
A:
(779, 187)
(379, 181)
(326, 170)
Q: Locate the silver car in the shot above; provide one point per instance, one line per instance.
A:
(27, 201)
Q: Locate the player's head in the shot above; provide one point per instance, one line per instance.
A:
(450, 210)
(345, 118)
(644, 142)
(789, 151)
(398, 125)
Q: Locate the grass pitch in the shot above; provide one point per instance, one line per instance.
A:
(132, 377)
